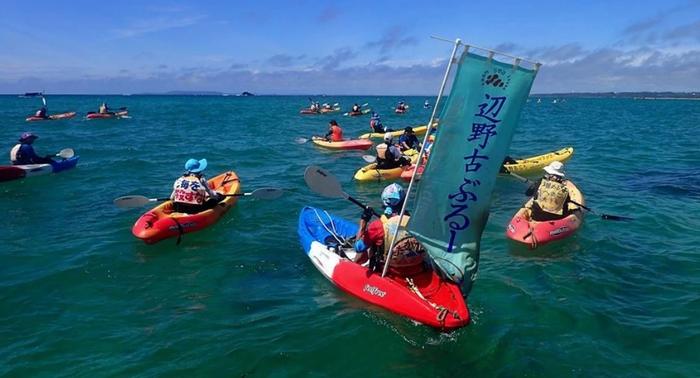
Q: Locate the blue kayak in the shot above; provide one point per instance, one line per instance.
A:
(15, 172)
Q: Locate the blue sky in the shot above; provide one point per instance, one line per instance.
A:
(341, 47)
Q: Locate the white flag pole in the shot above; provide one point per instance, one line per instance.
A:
(457, 43)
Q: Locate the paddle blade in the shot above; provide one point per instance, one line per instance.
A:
(323, 182)
(43, 100)
(66, 153)
(267, 193)
(615, 217)
(131, 201)
(369, 158)
(301, 140)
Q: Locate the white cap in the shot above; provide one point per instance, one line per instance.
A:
(388, 137)
(555, 168)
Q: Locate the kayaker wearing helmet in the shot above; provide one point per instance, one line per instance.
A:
(191, 193)
(374, 238)
(335, 133)
(550, 194)
(388, 156)
(408, 140)
(401, 107)
(23, 152)
(375, 123)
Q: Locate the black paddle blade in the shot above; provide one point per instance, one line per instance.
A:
(615, 217)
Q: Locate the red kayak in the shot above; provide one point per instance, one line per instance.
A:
(52, 117)
(355, 144)
(308, 111)
(399, 111)
(415, 291)
(162, 222)
(524, 229)
(119, 114)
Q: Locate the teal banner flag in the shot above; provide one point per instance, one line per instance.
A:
(474, 133)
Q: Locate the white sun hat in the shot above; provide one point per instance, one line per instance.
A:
(555, 168)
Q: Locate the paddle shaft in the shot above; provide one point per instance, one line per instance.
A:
(602, 216)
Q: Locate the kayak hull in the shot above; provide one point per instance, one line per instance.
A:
(119, 114)
(308, 111)
(523, 229)
(162, 223)
(371, 173)
(15, 172)
(354, 144)
(418, 130)
(392, 292)
(52, 117)
(534, 165)
(525, 167)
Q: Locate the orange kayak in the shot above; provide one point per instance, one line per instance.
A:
(162, 222)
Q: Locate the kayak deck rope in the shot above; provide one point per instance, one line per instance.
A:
(442, 311)
(334, 232)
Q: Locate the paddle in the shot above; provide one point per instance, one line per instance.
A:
(369, 158)
(602, 216)
(324, 183)
(43, 100)
(138, 201)
(66, 153)
(304, 140)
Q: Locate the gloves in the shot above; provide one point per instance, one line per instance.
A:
(367, 214)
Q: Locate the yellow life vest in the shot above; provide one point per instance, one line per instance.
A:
(551, 196)
(407, 250)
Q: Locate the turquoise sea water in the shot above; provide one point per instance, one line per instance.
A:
(79, 296)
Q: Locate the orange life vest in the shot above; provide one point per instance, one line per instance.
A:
(336, 134)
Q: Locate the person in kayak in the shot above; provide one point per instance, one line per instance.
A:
(104, 109)
(356, 108)
(550, 197)
(335, 133)
(374, 237)
(191, 192)
(375, 123)
(408, 140)
(327, 106)
(388, 156)
(426, 104)
(401, 107)
(23, 152)
(42, 112)
(507, 160)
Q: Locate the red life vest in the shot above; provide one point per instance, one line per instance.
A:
(336, 134)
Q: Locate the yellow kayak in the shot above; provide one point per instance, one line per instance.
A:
(371, 173)
(533, 165)
(418, 130)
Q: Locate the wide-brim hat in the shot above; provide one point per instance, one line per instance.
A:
(555, 168)
(196, 166)
(27, 137)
